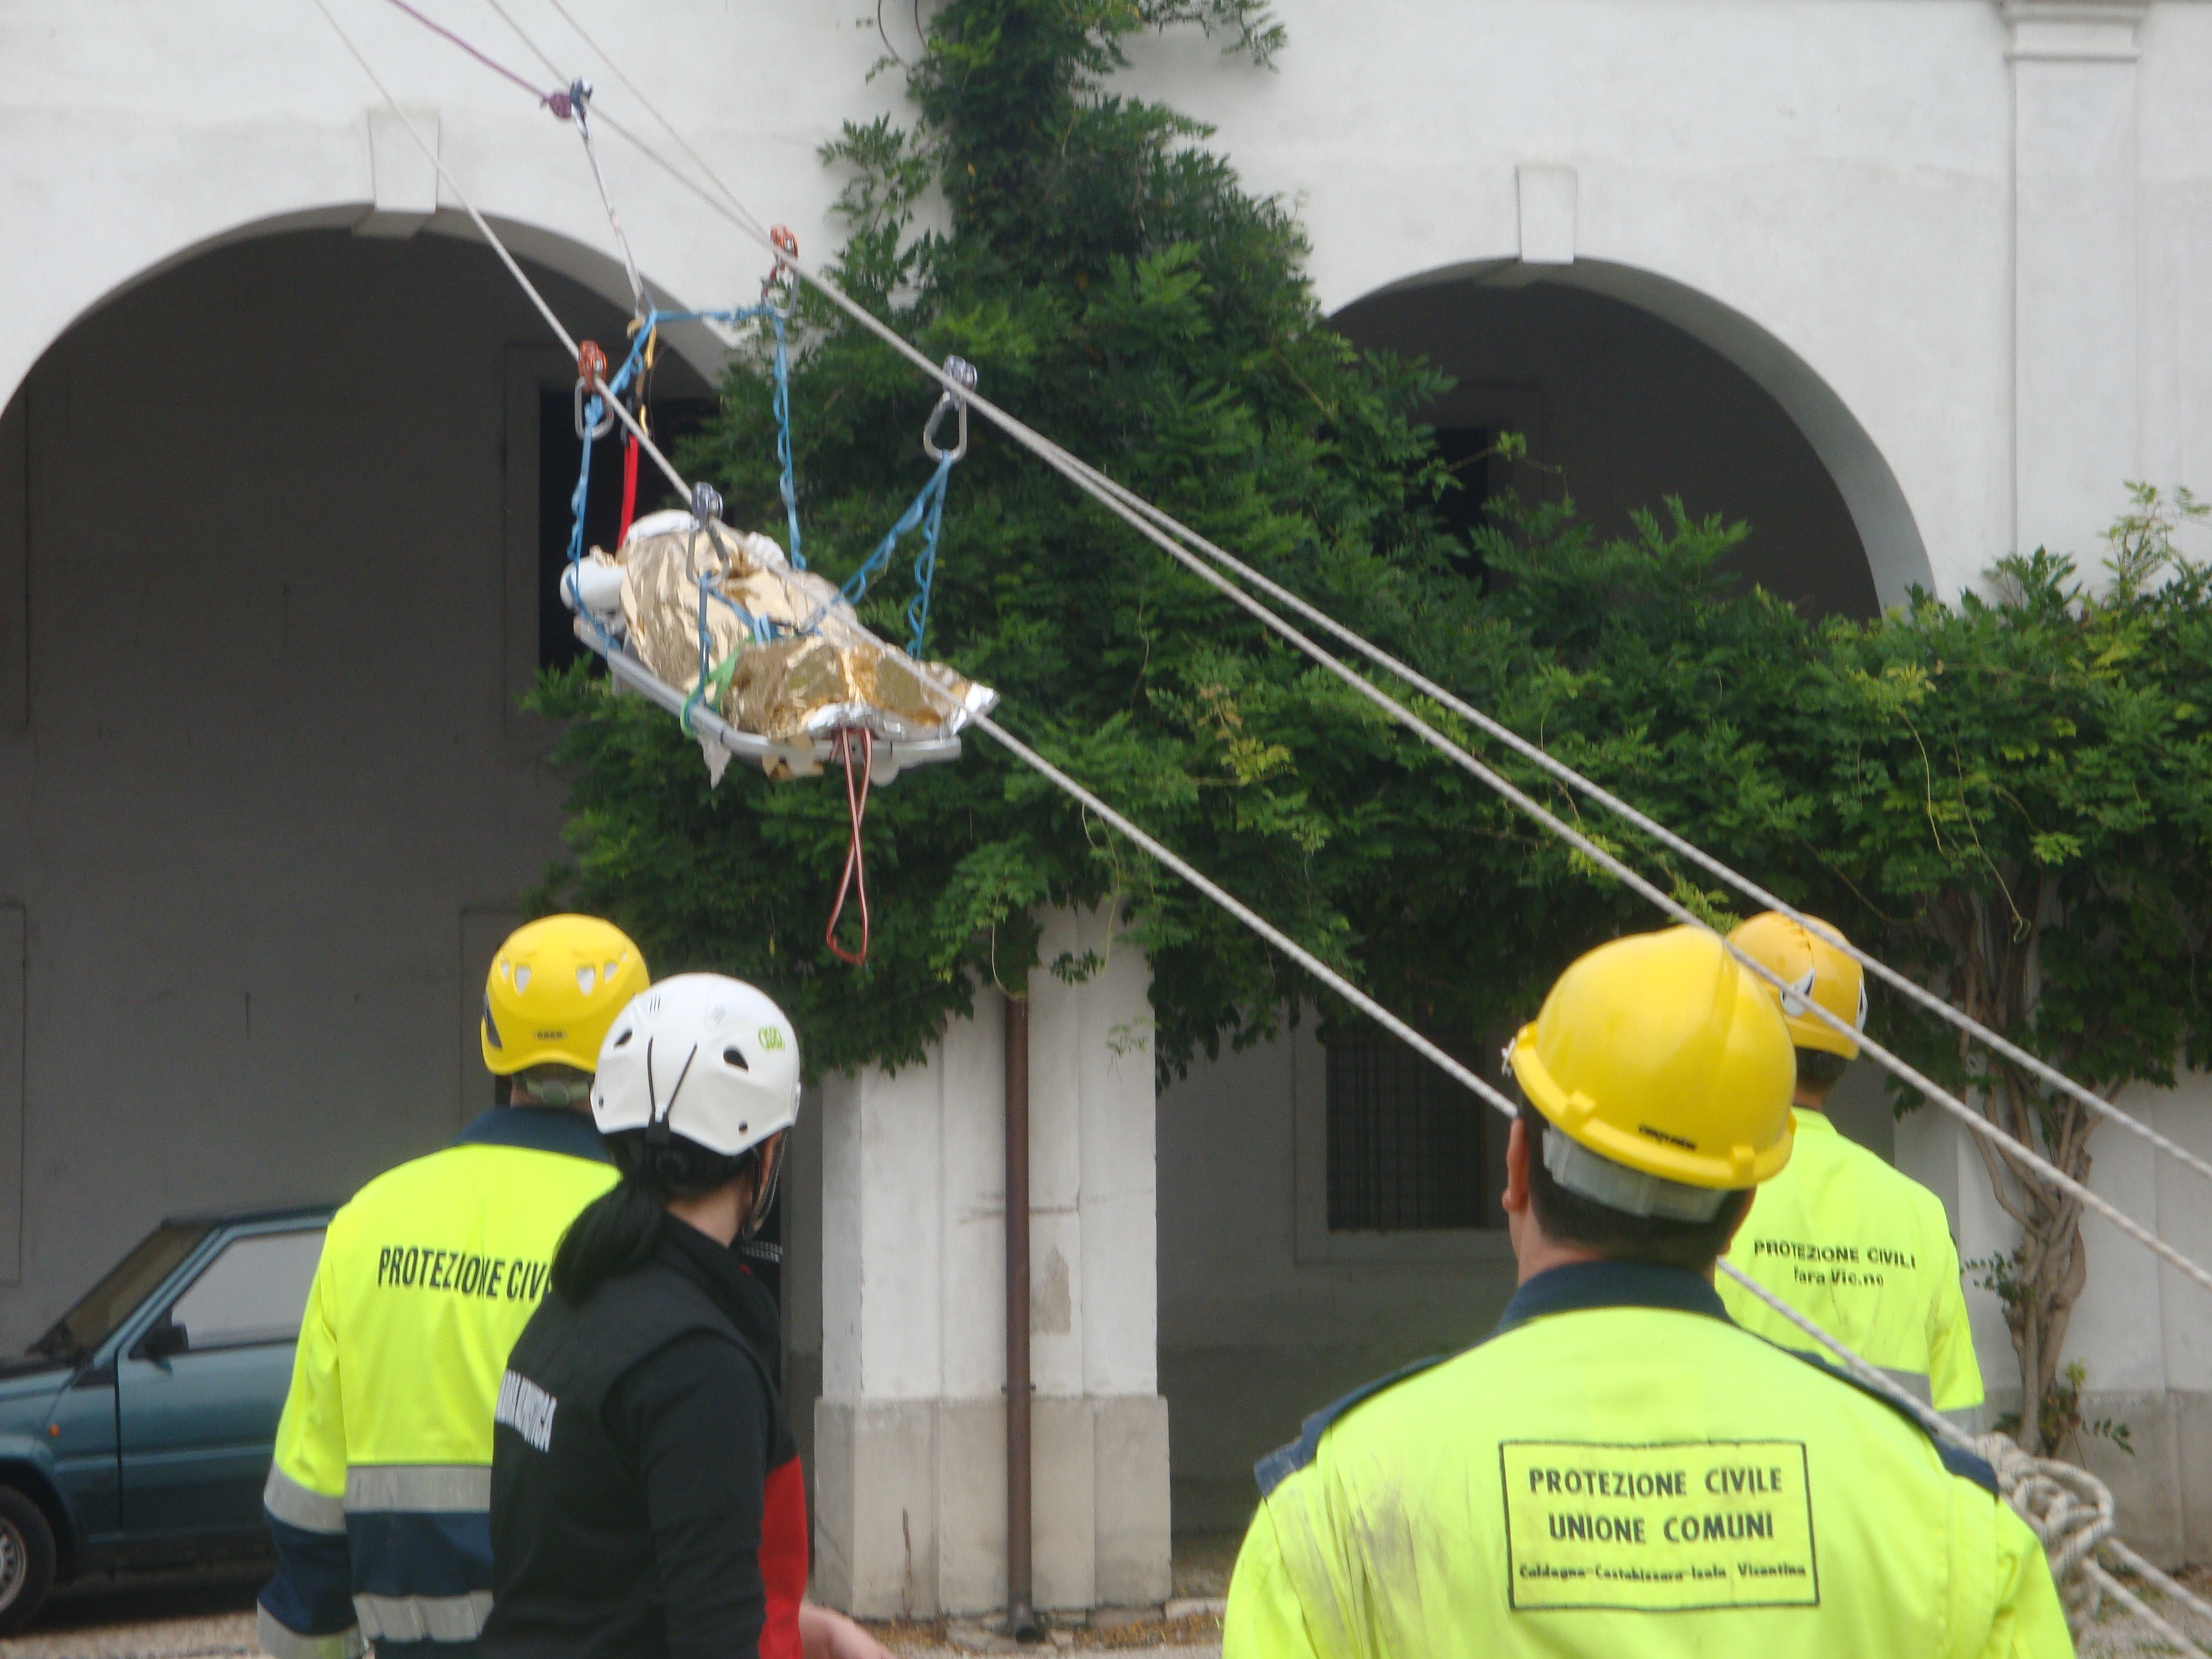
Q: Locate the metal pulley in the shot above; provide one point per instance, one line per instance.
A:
(961, 370)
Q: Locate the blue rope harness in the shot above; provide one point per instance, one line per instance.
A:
(595, 412)
(927, 511)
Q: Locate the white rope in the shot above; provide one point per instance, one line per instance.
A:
(1096, 481)
(2069, 1510)
(2159, 1580)
(2110, 1586)
(1751, 889)
(1252, 919)
(714, 530)
(2066, 1494)
(580, 112)
(745, 215)
(1087, 479)
(1162, 529)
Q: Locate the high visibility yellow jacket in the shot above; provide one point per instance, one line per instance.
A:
(1620, 1471)
(380, 1495)
(1865, 1253)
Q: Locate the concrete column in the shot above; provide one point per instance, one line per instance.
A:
(910, 1431)
(2076, 420)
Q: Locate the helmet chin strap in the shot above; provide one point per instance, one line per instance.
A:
(657, 1131)
(764, 1198)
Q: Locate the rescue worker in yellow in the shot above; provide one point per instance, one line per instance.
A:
(380, 1494)
(1619, 1470)
(1861, 1249)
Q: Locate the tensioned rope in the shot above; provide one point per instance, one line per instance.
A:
(732, 208)
(1094, 484)
(2070, 1512)
(2078, 1559)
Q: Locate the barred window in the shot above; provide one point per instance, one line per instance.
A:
(1409, 1149)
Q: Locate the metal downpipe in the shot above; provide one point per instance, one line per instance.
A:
(1020, 1616)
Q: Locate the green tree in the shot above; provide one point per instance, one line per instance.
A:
(2007, 794)
(1118, 289)
(2010, 794)
(2024, 787)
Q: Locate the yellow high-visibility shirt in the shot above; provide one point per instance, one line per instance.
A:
(1620, 1472)
(379, 1497)
(1865, 1253)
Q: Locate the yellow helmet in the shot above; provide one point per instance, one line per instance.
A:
(1661, 1054)
(555, 986)
(1815, 970)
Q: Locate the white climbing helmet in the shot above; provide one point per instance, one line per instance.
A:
(710, 1057)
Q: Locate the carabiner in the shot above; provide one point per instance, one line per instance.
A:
(591, 376)
(606, 414)
(959, 369)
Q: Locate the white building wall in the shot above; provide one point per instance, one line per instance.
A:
(1958, 244)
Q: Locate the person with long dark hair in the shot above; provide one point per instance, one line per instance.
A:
(646, 1497)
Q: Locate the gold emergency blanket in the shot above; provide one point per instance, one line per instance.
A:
(821, 671)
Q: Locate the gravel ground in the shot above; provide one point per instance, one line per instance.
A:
(208, 1613)
(198, 1619)
(232, 1634)
(161, 1638)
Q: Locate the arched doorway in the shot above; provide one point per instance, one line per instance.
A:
(1327, 1209)
(1633, 387)
(268, 800)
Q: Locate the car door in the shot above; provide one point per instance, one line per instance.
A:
(199, 1392)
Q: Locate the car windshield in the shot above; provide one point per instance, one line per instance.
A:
(109, 1303)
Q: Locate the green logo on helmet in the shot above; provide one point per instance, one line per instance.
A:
(770, 1037)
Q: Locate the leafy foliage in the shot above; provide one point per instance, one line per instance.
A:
(1119, 290)
(2009, 792)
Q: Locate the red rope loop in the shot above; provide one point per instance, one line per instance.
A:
(630, 490)
(855, 879)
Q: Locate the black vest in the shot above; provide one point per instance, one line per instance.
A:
(571, 1543)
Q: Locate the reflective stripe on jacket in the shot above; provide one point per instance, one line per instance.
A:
(1620, 1471)
(1865, 1253)
(379, 1497)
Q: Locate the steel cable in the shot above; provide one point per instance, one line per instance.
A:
(1153, 522)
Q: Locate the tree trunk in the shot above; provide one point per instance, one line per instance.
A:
(2050, 1265)
(1993, 951)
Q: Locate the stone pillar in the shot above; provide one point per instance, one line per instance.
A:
(2077, 418)
(910, 1431)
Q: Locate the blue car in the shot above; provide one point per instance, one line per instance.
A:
(138, 1430)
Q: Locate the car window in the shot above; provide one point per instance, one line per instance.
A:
(254, 1290)
(113, 1300)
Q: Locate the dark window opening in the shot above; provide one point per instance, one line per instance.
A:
(1465, 452)
(560, 453)
(1410, 1150)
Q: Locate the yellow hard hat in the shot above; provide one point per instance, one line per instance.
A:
(555, 986)
(1660, 1054)
(1815, 970)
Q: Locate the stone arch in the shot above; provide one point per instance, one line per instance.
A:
(273, 566)
(531, 242)
(1895, 554)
